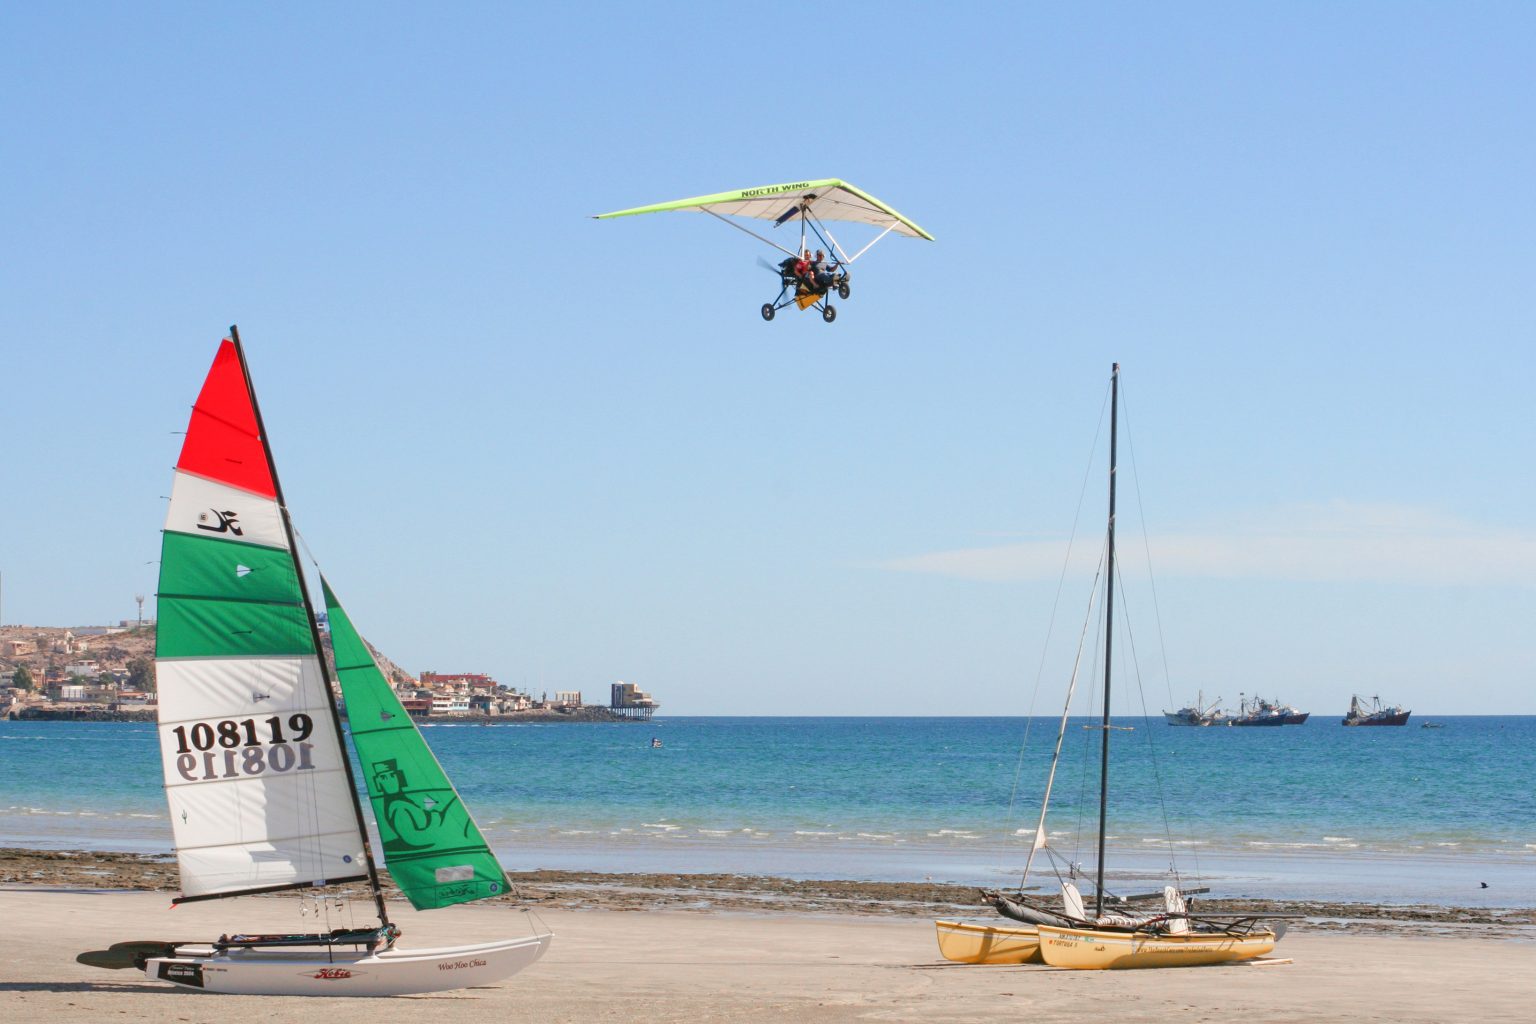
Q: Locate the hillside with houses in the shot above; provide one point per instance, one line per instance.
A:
(107, 673)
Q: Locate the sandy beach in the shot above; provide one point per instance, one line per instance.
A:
(639, 953)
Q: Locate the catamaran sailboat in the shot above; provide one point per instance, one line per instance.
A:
(1114, 932)
(261, 792)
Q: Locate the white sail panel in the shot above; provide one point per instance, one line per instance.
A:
(207, 508)
(192, 689)
(283, 860)
(254, 777)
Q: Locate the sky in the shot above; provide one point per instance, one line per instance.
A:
(568, 452)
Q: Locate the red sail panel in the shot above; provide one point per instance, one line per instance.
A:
(223, 443)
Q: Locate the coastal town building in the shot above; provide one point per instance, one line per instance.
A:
(107, 673)
(417, 707)
(629, 701)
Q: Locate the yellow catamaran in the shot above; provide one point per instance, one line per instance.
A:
(1114, 933)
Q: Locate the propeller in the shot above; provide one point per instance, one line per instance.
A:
(767, 266)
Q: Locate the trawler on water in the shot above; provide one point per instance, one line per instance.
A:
(1268, 712)
(1198, 713)
(1375, 713)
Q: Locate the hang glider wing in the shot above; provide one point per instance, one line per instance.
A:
(826, 200)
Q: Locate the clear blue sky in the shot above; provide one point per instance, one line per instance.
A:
(567, 452)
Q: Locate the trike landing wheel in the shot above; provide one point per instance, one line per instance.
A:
(842, 290)
(828, 313)
(767, 311)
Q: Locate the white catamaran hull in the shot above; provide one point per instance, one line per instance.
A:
(393, 972)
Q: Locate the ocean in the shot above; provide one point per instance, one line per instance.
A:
(1393, 815)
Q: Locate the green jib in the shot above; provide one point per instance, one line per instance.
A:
(433, 848)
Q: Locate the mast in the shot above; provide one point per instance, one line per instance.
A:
(1109, 636)
(314, 630)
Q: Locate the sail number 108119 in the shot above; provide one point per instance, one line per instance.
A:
(266, 747)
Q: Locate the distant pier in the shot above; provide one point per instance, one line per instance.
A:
(629, 701)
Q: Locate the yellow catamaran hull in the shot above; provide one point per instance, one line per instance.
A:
(1089, 949)
(988, 944)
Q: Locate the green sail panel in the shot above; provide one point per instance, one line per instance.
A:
(221, 599)
(433, 848)
(201, 627)
(208, 567)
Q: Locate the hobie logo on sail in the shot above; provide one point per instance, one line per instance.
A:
(225, 522)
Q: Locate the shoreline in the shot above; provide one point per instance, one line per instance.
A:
(1448, 878)
(86, 872)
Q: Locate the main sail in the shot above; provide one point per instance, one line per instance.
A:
(432, 846)
(255, 777)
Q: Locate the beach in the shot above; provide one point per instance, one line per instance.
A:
(715, 965)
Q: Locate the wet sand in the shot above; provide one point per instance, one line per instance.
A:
(706, 893)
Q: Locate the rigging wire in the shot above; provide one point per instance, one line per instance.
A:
(1157, 777)
(1162, 650)
(1085, 769)
(1036, 843)
(1146, 545)
(1055, 605)
(311, 783)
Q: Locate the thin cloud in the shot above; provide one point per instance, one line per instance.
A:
(1335, 543)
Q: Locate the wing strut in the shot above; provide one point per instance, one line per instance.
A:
(749, 231)
(877, 238)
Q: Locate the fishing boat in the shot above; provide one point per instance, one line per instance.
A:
(1198, 714)
(261, 792)
(1374, 712)
(1118, 931)
(1268, 712)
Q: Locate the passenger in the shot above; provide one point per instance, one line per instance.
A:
(803, 273)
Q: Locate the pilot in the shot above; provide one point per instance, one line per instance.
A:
(825, 272)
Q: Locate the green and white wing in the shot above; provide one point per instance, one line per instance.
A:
(829, 199)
